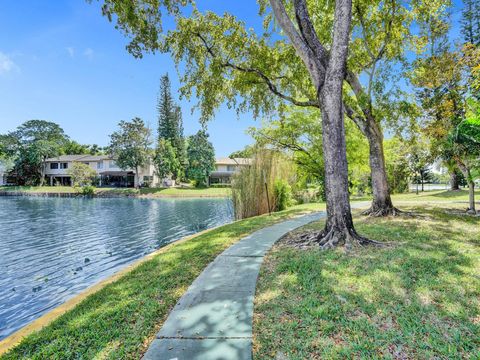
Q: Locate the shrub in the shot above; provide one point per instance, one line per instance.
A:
(283, 195)
(88, 190)
(220, 185)
(82, 174)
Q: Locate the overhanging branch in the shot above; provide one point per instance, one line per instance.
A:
(265, 79)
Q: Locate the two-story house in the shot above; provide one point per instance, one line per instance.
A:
(225, 168)
(108, 172)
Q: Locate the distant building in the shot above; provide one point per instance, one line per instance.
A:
(226, 167)
(109, 174)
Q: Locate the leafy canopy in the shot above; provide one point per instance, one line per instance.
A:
(130, 144)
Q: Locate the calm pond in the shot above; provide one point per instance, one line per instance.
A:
(53, 248)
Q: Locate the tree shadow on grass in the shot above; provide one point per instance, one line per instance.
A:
(417, 300)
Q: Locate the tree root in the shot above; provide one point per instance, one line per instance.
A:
(382, 212)
(332, 238)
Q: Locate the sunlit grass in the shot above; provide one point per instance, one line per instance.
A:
(417, 300)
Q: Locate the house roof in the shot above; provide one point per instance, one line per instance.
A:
(79, 158)
(66, 158)
(96, 157)
(234, 161)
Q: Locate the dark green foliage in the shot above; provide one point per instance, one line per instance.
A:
(201, 158)
(74, 148)
(170, 126)
(165, 159)
(29, 145)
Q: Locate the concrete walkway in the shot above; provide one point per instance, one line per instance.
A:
(213, 319)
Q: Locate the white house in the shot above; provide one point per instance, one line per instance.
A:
(226, 167)
(109, 174)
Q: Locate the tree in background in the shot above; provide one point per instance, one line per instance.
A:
(299, 134)
(82, 175)
(30, 145)
(396, 155)
(170, 125)
(165, 159)
(471, 21)
(201, 158)
(74, 148)
(130, 146)
(464, 145)
(419, 158)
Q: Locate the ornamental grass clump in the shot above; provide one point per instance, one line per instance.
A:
(255, 188)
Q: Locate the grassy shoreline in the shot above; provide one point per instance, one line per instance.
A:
(122, 318)
(417, 300)
(120, 192)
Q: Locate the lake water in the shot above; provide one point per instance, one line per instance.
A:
(53, 248)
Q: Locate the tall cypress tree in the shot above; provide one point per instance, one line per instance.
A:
(471, 21)
(170, 124)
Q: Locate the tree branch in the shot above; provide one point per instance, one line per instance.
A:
(303, 50)
(265, 79)
(308, 32)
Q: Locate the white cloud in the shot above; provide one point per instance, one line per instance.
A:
(71, 51)
(6, 64)
(89, 53)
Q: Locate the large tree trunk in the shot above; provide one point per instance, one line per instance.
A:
(382, 202)
(370, 128)
(327, 73)
(454, 181)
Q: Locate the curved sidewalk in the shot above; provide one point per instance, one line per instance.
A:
(213, 319)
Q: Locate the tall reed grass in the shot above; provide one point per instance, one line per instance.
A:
(255, 189)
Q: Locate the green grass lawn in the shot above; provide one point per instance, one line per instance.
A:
(417, 300)
(120, 320)
(436, 195)
(146, 192)
(39, 189)
(172, 192)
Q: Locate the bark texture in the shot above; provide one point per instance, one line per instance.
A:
(367, 123)
(454, 181)
(471, 186)
(382, 202)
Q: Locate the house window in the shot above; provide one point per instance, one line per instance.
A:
(100, 165)
(53, 165)
(231, 168)
(63, 165)
(112, 164)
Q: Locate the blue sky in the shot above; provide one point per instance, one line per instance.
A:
(62, 61)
